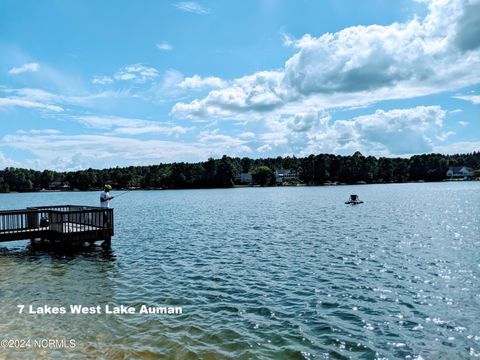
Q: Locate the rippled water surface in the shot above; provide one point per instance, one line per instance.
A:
(261, 273)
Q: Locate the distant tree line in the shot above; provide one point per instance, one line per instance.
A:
(220, 173)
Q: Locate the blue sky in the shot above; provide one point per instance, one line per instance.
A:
(115, 83)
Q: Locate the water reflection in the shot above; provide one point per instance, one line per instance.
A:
(39, 250)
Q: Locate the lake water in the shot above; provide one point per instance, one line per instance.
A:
(261, 273)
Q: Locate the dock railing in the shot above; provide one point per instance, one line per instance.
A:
(60, 222)
(12, 221)
(81, 219)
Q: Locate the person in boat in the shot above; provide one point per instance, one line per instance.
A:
(354, 198)
(105, 197)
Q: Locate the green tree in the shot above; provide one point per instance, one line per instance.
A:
(246, 164)
(4, 188)
(225, 173)
(45, 178)
(263, 175)
(314, 169)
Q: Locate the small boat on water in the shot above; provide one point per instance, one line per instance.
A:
(354, 200)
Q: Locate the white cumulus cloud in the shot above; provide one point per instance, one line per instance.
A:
(137, 72)
(393, 132)
(16, 102)
(474, 99)
(382, 133)
(130, 126)
(192, 7)
(6, 162)
(39, 131)
(164, 46)
(30, 67)
(102, 80)
(70, 152)
(259, 92)
(197, 82)
(359, 65)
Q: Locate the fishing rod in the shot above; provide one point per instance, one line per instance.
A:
(125, 192)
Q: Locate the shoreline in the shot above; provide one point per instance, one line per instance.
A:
(242, 186)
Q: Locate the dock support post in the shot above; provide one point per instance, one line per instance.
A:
(107, 242)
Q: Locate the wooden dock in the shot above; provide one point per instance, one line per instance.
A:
(66, 224)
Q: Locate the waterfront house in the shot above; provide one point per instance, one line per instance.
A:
(282, 175)
(460, 172)
(244, 178)
(59, 185)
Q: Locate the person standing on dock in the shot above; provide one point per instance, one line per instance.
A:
(105, 197)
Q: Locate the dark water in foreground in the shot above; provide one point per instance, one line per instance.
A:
(273, 273)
